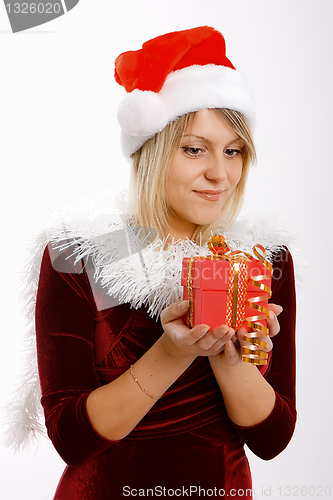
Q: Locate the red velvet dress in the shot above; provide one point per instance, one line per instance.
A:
(187, 441)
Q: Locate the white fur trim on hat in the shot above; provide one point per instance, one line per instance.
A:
(142, 114)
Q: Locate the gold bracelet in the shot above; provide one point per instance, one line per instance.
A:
(142, 388)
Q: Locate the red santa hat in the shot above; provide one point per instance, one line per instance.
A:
(175, 74)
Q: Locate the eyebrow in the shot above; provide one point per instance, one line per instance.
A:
(197, 136)
(207, 140)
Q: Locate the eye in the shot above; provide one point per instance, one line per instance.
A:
(232, 152)
(192, 152)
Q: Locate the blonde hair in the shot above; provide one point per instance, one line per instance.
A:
(150, 165)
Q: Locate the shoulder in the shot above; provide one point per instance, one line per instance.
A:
(283, 275)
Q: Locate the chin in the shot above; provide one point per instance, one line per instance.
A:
(207, 219)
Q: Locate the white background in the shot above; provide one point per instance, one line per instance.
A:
(59, 144)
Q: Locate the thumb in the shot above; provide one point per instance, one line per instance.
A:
(174, 311)
(230, 352)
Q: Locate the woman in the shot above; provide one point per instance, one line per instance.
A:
(135, 402)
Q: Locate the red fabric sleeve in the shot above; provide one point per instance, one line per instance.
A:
(268, 438)
(65, 312)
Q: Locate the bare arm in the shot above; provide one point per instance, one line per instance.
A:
(116, 408)
(248, 397)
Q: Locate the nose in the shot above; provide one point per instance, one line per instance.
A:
(217, 169)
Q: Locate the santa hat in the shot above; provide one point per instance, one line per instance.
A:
(175, 74)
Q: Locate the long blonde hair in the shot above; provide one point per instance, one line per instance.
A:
(150, 165)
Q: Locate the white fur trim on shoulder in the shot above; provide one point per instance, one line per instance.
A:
(23, 414)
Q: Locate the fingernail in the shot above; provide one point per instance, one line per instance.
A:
(204, 329)
(271, 315)
(183, 305)
(224, 330)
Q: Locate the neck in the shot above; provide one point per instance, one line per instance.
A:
(178, 229)
(174, 233)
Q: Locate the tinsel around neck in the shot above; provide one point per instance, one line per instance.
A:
(142, 273)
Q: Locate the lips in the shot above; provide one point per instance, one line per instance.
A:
(210, 195)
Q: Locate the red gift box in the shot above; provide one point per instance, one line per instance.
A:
(228, 288)
(224, 293)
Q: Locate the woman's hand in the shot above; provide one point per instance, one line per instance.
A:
(179, 340)
(233, 352)
(247, 395)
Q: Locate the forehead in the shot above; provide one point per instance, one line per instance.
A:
(208, 125)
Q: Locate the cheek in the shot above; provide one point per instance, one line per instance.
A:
(237, 175)
(172, 191)
(172, 176)
(171, 185)
(178, 180)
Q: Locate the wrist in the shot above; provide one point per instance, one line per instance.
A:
(175, 353)
(234, 371)
(223, 365)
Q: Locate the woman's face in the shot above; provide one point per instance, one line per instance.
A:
(203, 173)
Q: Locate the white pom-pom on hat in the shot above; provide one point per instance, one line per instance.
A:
(142, 113)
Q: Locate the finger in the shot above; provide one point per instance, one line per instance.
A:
(231, 354)
(216, 338)
(194, 335)
(275, 308)
(174, 311)
(273, 324)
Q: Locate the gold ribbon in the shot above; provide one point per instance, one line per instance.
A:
(236, 301)
(237, 283)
